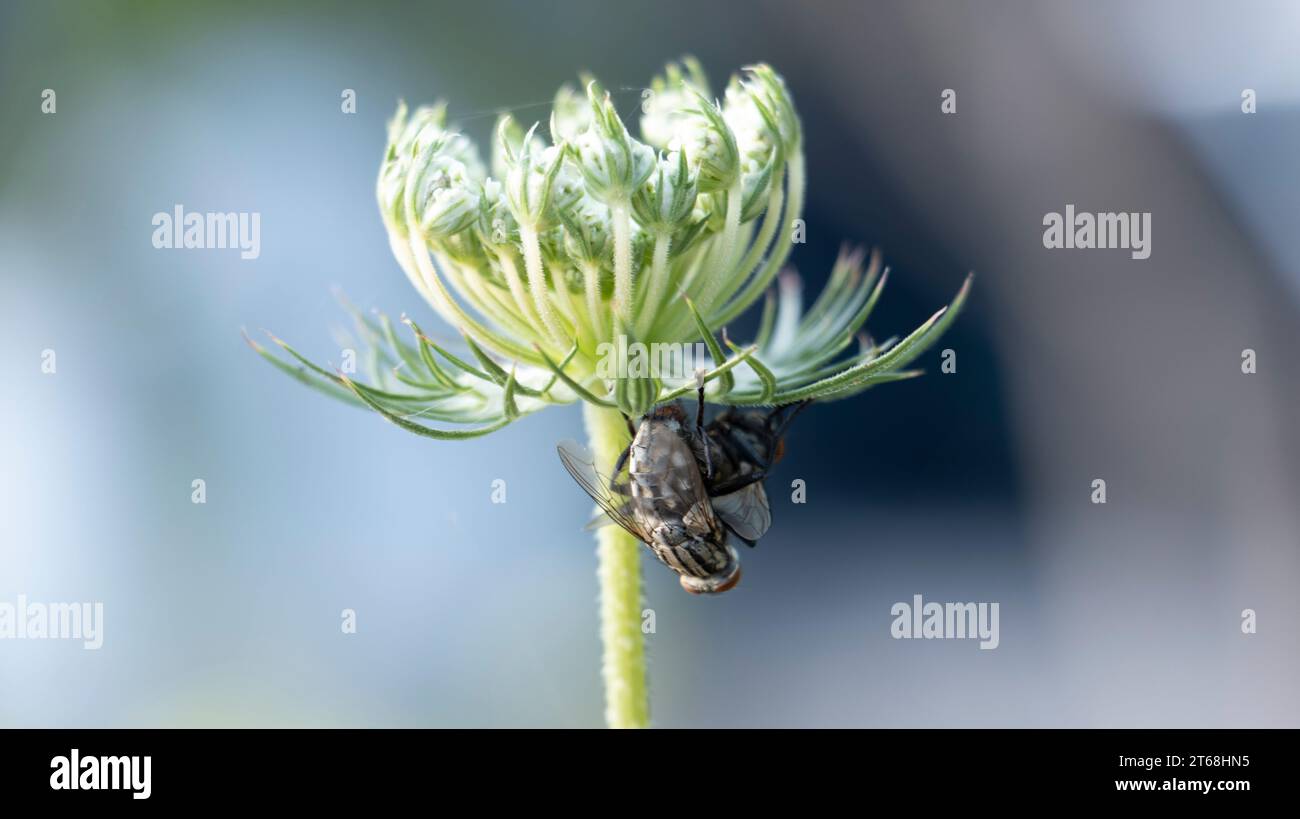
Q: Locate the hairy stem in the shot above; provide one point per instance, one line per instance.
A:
(626, 700)
(591, 289)
(780, 249)
(771, 218)
(537, 281)
(622, 260)
(515, 283)
(721, 261)
(653, 294)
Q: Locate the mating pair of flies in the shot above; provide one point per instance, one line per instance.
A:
(680, 488)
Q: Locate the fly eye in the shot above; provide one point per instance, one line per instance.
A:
(780, 451)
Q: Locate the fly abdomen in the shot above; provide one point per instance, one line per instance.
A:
(726, 577)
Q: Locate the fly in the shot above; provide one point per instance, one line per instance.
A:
(680, 488)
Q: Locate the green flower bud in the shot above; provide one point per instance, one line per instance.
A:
(538, 184)
(588, 239)
(507, 141)
(667, 198)
(612, 162)
(423, 135)
(758, 138)
(496, 225)
(765, 91)
(441, 195)
(710, 146)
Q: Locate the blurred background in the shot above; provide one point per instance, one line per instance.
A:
(970, 486)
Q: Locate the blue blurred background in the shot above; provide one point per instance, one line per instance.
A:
(972, 486)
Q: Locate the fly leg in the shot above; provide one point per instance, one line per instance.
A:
(747, 454)
(699, 425)
(622, 459)
(614, 485)
(783, 423)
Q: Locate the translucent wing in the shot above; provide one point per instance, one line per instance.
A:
(745, 511)
(668, 483)
(581, 464)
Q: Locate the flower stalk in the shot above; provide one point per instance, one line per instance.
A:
(622, 261)
(623, 667)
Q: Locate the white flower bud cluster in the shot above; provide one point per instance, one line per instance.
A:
(573, 237)
(588, 239)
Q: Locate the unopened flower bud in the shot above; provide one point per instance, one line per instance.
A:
(612, 162)
(667, 198)
(667, 102)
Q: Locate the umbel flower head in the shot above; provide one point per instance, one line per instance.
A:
(580, 238)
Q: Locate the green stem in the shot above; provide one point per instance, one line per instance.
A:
(649, 308)
(771, 218)
(621, 217)
(626, 701)
(721, 261)
(537, 281)
(591, 288)
(515, 283)
(780, 250)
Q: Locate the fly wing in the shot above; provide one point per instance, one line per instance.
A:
(745, 511)
(580, 463)
(668, 482)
